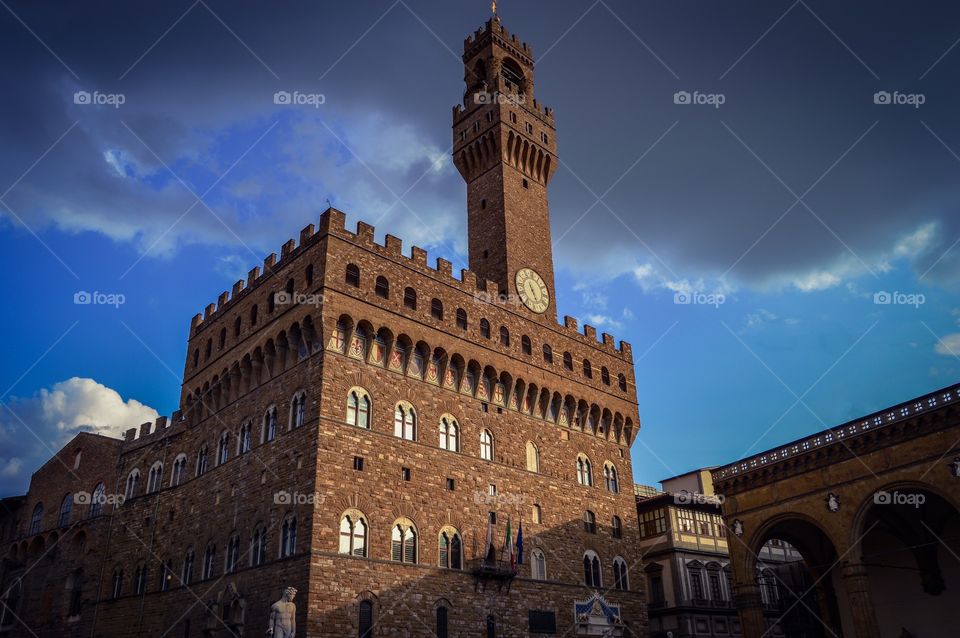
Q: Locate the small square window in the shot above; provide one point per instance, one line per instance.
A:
(484, 407)
(492, 489)
(358, 463)
(499, 410)
(405, 473)
(526, 184)
(451, 484)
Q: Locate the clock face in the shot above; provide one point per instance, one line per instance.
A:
(532, 290)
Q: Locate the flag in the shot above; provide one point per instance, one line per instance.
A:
(520, 543)
(490, 551)
(508, 545)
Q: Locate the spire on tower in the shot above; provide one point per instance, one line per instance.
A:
(493, 7)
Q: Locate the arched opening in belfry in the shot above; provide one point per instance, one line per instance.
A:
(910, 548)
(798, 575)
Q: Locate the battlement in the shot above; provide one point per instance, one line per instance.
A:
(544, 113)
(333, 222)
(152, 431)
(494, 27)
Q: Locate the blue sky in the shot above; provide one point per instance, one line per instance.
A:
(794, 202)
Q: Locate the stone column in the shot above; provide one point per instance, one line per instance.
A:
(749, 602)
(857, 584)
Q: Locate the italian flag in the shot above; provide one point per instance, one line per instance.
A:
(508, 545)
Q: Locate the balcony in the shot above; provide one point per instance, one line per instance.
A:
(484, 570)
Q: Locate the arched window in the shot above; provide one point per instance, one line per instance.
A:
(75, 586)
(202, 460)
(271, 303)
(208, 350)
(365, 620)
(66, 507)
(155, 477)
(442, 630)
(196, 357)
(538, 565)
(382, 288)
(462, 324)
(269, 430)
(484, 328)
(223, 448)
(258, 546)
(616, 527)
(140, 579)
(568, 361)
(237, 324)
(353, 275)
(309, 275)
(605, 375)
(410, 298)
(504, 336)
(116, 583)
(620, 580)
(179, 469)
(436, 309)
(403, 542)
(245, 439)
(186, 575)
(223, 339)
(450, 549)
(589, 522)
(610, 478)
(166, 575)
(353, 534)
(547, 354)
(537, 514)
(358, 408)
(253, 315)
(584, 471)
(622, 382)
(587, 369)
(210, 561)
(288, 536)
(449, 433)
(591, 570)
(233, 554)
(533, 457)
(405, 421)
(486, 445)
(133, 484)
(97, 500)
(525, 346)
(298, 409)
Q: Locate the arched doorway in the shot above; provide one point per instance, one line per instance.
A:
(910, 540)
(796, 570)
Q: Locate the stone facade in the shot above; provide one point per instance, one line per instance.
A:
(309, 438)
(872, 505)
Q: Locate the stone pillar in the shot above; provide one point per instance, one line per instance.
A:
(857, 584)
(750, 605)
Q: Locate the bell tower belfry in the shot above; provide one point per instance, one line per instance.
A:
(505, 149)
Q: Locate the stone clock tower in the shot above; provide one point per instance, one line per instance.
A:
(505, 149)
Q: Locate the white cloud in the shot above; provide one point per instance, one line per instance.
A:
(814, 281)
(949, 345)
(35, 427)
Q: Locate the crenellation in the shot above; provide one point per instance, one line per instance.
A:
(419, 256)
(238, 287)
(332, 221)
(306, 234)
(492, 288)
(161, 424)
(252, 276)
(145, 429)
(393, 245)
(607, 340)
(287, 249)
(469, 279)
(208, 311)
(269, 262)
(195, 322)
(365, 232)
(570, 323)
(627, 351)
(444, 267)
(589, 332)
(223, 299)
(130, 435)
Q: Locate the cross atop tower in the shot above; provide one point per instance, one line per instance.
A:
(505, 149)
